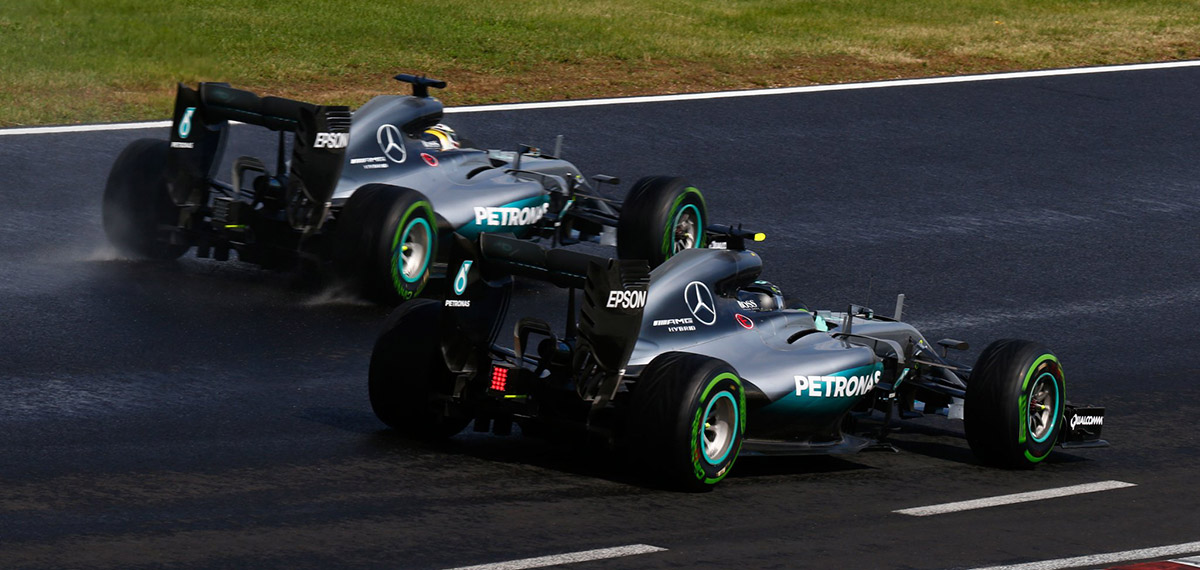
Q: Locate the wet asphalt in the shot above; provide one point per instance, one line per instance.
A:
(198, 414)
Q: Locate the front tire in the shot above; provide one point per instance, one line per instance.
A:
(137, 208)
(386, 242)
(686, 420)
(408, 381)
(1014, 404)
(660, 217)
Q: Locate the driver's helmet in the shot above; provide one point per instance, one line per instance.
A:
(440, 137)
(760, 296)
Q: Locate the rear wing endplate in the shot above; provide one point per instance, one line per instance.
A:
(200, 123)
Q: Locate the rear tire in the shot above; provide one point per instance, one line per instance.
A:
(137, 206)
(660, 217)
(1014, 404)
(386, 242)
(408, 380)
(686, 420)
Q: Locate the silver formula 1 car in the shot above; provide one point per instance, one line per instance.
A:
(697, 362)
(374, 194)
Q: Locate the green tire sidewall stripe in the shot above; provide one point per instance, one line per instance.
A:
(697, 429)
(1023, 404)
(674, 214)
(406, 223)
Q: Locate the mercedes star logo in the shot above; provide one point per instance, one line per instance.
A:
(700, 302)
(391, 142)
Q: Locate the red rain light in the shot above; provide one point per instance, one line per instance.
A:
(499, 378)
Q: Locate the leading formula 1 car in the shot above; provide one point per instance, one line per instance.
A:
(697, 362)
(376, 192)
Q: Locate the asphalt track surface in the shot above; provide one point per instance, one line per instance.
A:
(207, 415)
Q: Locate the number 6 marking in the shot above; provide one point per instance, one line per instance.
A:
(460, 281)
(185, 123)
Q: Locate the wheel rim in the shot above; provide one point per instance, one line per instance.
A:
(414, 250)
(1043, 407)
(719, 427)
(686, 229)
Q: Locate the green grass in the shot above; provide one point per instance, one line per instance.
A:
(105, 60)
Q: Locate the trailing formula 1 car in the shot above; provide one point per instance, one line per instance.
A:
(374, 194)
(697, 362)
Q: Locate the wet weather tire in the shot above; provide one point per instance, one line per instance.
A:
(686, 420)
(1014, 404)
(408, 380)
(137, 210)
(660, 217)
(386, 242)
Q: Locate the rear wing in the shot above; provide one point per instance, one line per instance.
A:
(610, 315)
(200, 123)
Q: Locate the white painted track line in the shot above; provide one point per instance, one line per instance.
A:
(1014, 498)
(85, 128)
(1191, 561)
(690, 96)
(823, 88)
(568, 558)
(1095, 560)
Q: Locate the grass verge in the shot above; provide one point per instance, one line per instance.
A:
(68, 61)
